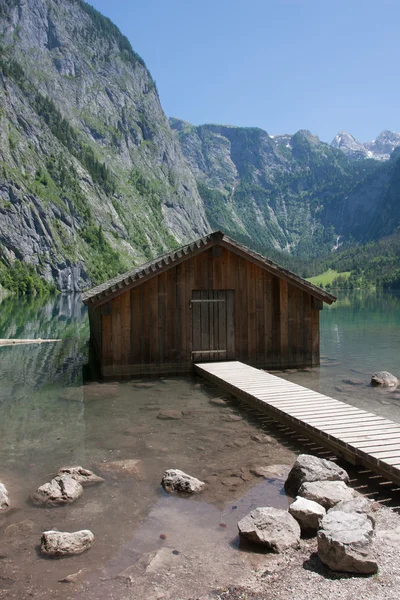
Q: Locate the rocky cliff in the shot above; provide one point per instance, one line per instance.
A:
(91, 178)
(288, 192)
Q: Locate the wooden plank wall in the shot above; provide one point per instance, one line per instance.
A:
(149, 329)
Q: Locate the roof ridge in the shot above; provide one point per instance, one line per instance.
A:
(120, 283)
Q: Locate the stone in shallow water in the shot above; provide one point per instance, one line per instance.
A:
(345, 543)
(61, 543)
(307, 513)
(83, 476)
(218, 401)
(170, 415)
(271, 527)
(270, 471)
(22, 528)
(4, 500)
(384, 378)
(326, 493)
(309, 468)
(128, 466)
(175, 480)
(262, 439)
(60, 490)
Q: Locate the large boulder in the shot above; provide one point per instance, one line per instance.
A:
(271, 527)
(309, 468)
(384, 378)
(307, 513)
(60, 490)
(81, 475)
(175, 480)
(345, 543)
(61, 543)
(326, 493)
(4, 501)
(360, 505)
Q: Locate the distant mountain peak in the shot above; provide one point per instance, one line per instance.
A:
(379, 149)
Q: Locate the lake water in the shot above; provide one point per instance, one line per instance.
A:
(50, 417)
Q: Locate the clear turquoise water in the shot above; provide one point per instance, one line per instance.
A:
(49, 416)
(360, 334)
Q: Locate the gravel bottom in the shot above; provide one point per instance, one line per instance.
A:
(300, 575)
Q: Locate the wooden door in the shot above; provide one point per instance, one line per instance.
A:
(213, 325)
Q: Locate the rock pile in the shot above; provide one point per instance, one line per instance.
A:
(325, 506)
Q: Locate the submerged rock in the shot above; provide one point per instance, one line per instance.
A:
(262, 439)
(83, 476)
(22, 529)
(326, 493)
(60, 490)
(308, 468)
(128, 466)
(61, 543)
(384, 378)
(271, 527)
(175, 480)
(270, 471)
(345, 543)
(170, 415)
(4, 500)
(217, 401)
(307, 513)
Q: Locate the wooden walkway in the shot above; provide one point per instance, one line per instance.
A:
(360, 437)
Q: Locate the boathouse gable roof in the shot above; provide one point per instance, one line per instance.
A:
(118, 285)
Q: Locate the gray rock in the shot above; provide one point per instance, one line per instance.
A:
(309, 468)
(130, 467)
(326, 493)
(83, 476)
(345, 543)
(359, 505)
(271, 527)
(60, 490)
(61, 543)
(307, 513)
(4, 500)
(384, 378)
(262, 439)
(170, 415)
(218, 402)
(270, 471)
(175, 480)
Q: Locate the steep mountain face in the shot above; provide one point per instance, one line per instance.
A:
(380, 149)
(91, 177)
(292, 193)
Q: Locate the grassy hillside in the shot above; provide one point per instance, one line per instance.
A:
(328, 277)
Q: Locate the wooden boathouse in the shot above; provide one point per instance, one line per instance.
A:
(212, 300)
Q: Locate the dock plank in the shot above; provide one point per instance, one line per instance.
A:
(359, 436)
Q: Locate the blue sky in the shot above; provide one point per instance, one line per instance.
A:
(283, 65)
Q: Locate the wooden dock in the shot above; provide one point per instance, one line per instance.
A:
(361, 437)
